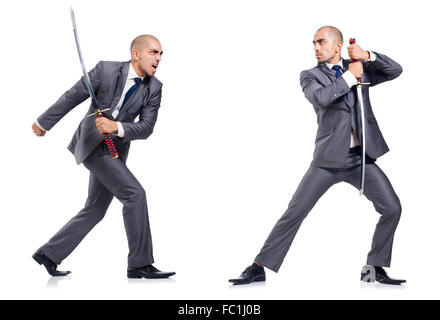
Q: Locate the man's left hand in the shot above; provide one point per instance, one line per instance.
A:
(357, 53)
(105, 125)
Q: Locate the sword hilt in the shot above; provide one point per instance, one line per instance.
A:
(353, 41)
(108, 139)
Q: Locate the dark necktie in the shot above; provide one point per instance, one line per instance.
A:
(354, 120)
(130, 91)
(338, 74)
(338, 70)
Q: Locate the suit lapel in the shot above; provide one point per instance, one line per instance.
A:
(122, 78)
(351, 95)
(345, 64)
(323, 67)
(129, 103)
(327, 71)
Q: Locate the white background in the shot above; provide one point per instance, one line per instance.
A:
(233, 139)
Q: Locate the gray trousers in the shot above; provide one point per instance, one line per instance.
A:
(314, 184)
(108, 177)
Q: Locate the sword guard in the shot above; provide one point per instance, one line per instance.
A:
(97, 111)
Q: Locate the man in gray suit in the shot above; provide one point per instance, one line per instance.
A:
(330, 88)
(129, 89)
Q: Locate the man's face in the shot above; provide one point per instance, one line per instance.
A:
(327, 48)
(149, 57)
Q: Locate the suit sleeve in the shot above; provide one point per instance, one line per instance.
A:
(382, 69)
(71, 98)
(147, 118)
(320, 95)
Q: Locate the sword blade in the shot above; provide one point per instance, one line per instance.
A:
(107, 138)
(361, 105)
(81, 59)
(362, 123)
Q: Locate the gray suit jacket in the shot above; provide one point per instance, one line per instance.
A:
(326, 93)
(108, 80)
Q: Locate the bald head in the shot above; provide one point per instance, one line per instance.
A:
(333, 32)
(142, 41)
(146, 53)
(327, 44)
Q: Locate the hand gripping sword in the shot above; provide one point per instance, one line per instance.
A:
(108, 139)
(361, 123)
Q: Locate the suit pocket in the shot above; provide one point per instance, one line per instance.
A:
(134, 104)
(134, 110)
(324, 132)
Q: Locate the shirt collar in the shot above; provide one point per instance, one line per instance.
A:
(330, 65)
(132, 74)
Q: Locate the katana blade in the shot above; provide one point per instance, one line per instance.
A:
(361, 105)
(362, 124)
(107, 138)
(81, 59)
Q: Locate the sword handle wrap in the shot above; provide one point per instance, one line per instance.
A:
(353, 41)
(109, 141)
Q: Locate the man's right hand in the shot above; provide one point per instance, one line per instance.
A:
(37, 130)
(357, 69)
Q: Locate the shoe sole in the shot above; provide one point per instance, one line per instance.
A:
(41, 261)
(374, 281)
(258, 279)
(135, 275)
(386, 283)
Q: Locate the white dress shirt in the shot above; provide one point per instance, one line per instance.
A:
(351, 81)
(129, 82)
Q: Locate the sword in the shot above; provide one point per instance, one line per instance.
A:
(362, 124)
(108, 139)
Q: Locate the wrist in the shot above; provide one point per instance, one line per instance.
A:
(120, 130)
(367, 55)
(349, 78)
(39, 125)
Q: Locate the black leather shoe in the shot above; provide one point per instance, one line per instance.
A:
(148, 272)
(372, 274)
(252, 273)
(51, 266)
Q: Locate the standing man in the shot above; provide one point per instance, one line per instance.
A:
(129, 89)
(330, 88)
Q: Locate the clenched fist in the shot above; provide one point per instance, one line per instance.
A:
(105, 125)
(37, 130)
(357, 69)
(357, 53)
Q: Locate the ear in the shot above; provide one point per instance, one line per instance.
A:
(339, 46)
(135, 54)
